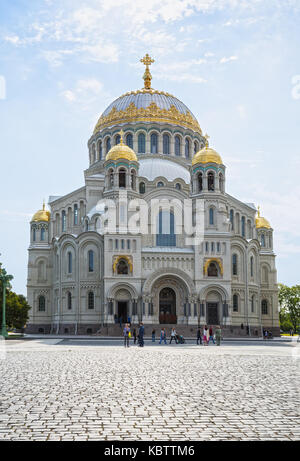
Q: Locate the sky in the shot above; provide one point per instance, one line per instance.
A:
(234, 63)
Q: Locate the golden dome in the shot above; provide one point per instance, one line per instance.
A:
(261, 222)
(121, 150)
(41, 215)
(207, 155)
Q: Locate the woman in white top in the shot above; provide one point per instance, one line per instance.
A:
(205, 336)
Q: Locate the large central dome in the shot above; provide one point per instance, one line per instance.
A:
(148, 105)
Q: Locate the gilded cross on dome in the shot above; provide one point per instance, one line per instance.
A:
(121, 133)
(147, 61)
(206, 140)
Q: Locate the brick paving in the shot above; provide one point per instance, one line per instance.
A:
(52, 390)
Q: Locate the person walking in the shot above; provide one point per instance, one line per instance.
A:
(126, 332)
(163, 336)
(134, 336)
(141, 335)
(205, 335)
(218, 335)
(199, 339)
(211, 335)
(153, 336)
(173, 335)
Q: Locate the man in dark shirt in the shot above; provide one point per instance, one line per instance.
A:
(141, 335)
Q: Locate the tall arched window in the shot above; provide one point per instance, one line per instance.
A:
(69, 262)
(75, 215)
(166, 235)
(211, 181)
(122, 178)
(42, 234)
(251, 266)
(187, 148)
(133, 180)
(235, 303)
(231, 219)
(264, 307)
(234, 264)
(243, 226)
(108, 145)
(154, 142)
(93, 153)
(211, 216)
(63, 221)
(262, 240)
(118, 139)
(91, 260)
(221, 182)
(111, 178)
(34, 234)
(141, 143)
(252, 303)
(69, 300)
(142, 188)
(196, 147)
(200, 182)
(166, 144)
(129, 140)
(177, 145)
(91, 300)
(42, 303)
(99, 150)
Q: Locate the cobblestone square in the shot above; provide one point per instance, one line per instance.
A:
(97, 390)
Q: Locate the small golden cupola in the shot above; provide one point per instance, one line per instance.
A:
(207, 155)
(41, 215)
(121, 151)
(261, 222)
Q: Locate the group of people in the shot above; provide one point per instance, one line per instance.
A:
(127, 335)
(208, 335)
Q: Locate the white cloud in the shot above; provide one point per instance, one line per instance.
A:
(231, 58)
(85, 93)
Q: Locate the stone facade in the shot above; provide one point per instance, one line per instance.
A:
(83, 276)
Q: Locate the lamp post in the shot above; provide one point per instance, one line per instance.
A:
(5, 278)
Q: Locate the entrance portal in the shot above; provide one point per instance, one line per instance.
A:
(122, 311)
(212, 314)
(167, 306)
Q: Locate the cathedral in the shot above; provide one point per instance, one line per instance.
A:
(152, 236)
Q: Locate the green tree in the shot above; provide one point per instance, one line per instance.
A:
(289, 300)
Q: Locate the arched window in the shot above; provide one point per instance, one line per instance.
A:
(235, 303)
(108, 145)
(42, 234)
(187, 148)
(91, 300)
(264, 307)
(166, 144)
(166, 235)
(251, 266)
(100, 150)
(154, 142)
(211, 181)
(252, 303)
(141, 143)
(142, 187)
(63, 221)
(243, 226)
(211, 216)
(177, 145)
(212, 270)
(42, 303)
(122, 178)
(33, 234)
(265, 276)
(129, 140)
(200, 182)
(91, 260)
(122, 267)
(93, 153)
(86, 225)
(262, 240)
(69, 262)
(196, 147)
(234, 264)
(160, 184)
(221, 182)
(133, 180)
(178, 186)
(118, 139)
(75, 215)
(111, 178)
(231, 219)
(69, 300)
